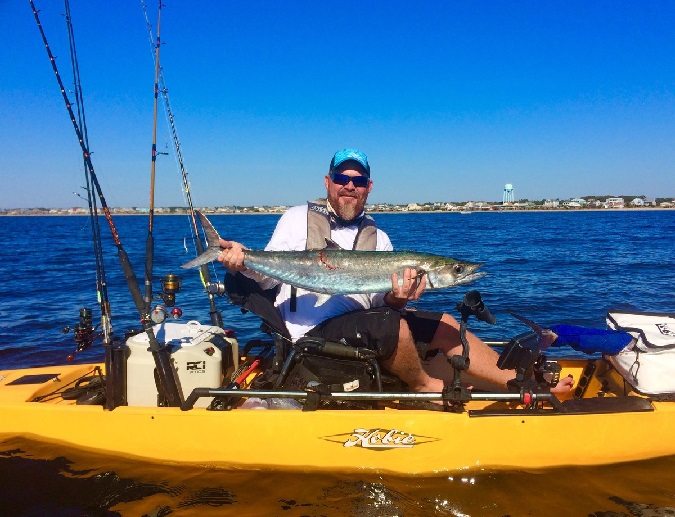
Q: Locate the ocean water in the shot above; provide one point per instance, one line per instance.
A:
(553, 267)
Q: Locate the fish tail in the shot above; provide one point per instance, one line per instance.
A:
(213, 244)
(212, 237)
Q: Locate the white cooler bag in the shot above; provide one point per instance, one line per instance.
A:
(648, 363)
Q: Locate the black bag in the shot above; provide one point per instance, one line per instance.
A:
(338, 375)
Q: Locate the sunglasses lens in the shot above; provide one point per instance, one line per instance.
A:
(343, 179)
(340, 179)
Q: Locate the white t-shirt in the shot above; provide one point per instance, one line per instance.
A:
(291, 235)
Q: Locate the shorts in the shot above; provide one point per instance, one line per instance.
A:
(378, 329)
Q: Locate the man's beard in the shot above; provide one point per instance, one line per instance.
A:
(347, 211)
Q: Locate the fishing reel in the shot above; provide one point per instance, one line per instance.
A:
(84, 332)
(217, 288)
(171, 285)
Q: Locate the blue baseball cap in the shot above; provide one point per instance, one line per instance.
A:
(350, 154)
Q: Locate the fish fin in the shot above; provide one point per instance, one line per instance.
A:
(332, 245)
(213, 241)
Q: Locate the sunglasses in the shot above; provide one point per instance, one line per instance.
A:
(343, 179)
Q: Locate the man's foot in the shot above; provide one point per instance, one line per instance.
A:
(565, 385)
(431, 385)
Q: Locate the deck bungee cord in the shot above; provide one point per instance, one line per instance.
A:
(204, 274)
(166, 374)
(61, 390)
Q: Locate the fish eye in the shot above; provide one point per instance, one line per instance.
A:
(458, 269)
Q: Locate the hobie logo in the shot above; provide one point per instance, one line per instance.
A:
(380, 439)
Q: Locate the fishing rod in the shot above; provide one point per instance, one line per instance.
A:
(150, 242)
(166, 374)
(101, 283)
(216, 316)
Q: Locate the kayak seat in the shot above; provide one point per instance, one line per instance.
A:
(310, 360)
(314, 360)
(249, 296)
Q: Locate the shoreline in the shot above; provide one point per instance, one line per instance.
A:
(406, 212)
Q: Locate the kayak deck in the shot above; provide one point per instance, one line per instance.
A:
(404, 441)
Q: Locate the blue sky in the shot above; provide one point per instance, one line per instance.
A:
(450, 100)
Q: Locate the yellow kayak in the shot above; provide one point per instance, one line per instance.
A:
(603, 421)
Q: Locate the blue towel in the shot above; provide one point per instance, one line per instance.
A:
(590, 340)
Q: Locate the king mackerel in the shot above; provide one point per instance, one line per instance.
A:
(333, 270)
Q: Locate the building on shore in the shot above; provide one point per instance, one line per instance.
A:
(615, 202)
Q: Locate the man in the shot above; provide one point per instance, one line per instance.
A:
(379, 321)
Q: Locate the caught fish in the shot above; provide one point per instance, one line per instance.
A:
(333, 270)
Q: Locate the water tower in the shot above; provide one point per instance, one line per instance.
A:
(508, 194)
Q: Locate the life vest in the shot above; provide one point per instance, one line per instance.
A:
(320, 222)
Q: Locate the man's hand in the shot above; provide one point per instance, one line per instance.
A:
(411, 289)
(232, 255)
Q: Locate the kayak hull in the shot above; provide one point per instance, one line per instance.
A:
(395, 441)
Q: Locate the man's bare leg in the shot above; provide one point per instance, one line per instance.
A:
(406, 365)
(483, 372)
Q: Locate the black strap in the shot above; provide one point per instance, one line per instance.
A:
(294, 299)
(314, 394)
